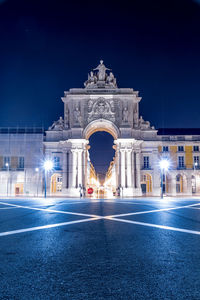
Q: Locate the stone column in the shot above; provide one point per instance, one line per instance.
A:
(74, 167)
(64, 168)
(156, 175)
(129, 169)
(70, 168)
(138, 169)
(80, 166)
(173, 185)
(122, 168)
(133, 169)
(189, 185)
(118, 168)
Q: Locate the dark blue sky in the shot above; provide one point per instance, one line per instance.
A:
(47, 47)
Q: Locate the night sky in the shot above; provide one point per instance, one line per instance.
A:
(47, 47)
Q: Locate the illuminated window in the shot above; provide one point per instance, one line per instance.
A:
(6, 161)
(180, 148)
(146, 162)
(21, 162)
(196, 161)
(195, 148)
(181, 162)
(56, 162)
(165, 148)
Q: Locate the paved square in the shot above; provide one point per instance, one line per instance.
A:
(100, 249)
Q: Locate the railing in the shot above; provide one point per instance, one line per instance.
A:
(6, 169)
(181, 168)
(146, 168)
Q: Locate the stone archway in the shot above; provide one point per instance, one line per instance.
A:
(102, 179)
(101, 125)
(100, 106)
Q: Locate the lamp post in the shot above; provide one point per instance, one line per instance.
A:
(164, 166)
(7, 166)
(48, 166)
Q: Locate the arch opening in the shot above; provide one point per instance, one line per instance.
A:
(102, 164)
(56, 183)
(101, 125)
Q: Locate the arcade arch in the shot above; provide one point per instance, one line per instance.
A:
(102, 159)
(56, 183)
(101, 125)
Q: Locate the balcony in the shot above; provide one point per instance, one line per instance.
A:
(181, 168)
(146, 168)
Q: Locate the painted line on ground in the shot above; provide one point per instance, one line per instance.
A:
(152, 211)
(8, 207)
(6, 233)
(194, 207)
(51, 210)
(94, 216)
(155, 226)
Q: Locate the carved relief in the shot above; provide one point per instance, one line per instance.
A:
(125, 115)
(77, 116)
(101, 109)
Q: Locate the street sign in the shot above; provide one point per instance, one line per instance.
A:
(90, 190)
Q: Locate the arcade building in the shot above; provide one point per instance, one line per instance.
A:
(139, 148)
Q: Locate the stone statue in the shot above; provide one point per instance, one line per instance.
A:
(101, 78)
(111, 79)
(57, 125)
(92, 80)
(143, 124)
(77, 116)
(125, 115)
(101, 75)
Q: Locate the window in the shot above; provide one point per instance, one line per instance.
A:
(146, 162)
(196, 161)
(181, 161)
(6, 161)
(180, 148)
(195, 148)
(21, 162)
(165, 148)
(56, 161)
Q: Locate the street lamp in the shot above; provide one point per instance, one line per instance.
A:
(48, 166)
(7, 166)
(164, 166)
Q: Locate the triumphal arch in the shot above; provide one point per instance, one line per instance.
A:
(99, 106)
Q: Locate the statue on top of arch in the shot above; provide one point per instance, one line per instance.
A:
(100, 78)
(57, 125)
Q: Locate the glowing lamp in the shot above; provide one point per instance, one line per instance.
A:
(164, 164)
(48, 165)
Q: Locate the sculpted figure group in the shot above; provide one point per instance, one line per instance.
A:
(100, 77)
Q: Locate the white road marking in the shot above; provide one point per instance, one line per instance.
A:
(51, 210)
(155, 226)
(8, 207)
(194, 207)
(96, 217)
(45, 227)
(153, 211)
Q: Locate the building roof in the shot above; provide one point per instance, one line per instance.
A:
(179, 131)
(9, 130)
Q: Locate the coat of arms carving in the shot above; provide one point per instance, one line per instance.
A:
(101, 109)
